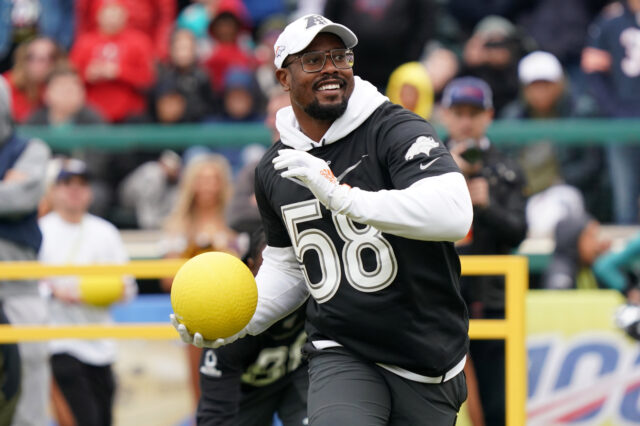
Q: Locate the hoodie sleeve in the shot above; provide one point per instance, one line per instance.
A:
(23, 196)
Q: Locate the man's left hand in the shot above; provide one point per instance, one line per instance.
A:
(314, 173)
(479, 191)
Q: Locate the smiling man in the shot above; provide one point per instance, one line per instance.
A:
(361, 204)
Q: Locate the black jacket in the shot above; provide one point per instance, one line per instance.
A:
(497, 229)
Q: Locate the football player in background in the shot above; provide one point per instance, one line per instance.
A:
(246, 382)
(372, 245)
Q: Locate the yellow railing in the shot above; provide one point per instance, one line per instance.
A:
(511, 329)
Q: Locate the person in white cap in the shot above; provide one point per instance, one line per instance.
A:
(371, 244)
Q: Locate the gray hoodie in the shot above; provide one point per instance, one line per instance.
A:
(19, 197)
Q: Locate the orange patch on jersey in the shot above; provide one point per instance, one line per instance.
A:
(328, 175)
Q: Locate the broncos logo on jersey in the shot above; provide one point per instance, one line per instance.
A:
(422, 145)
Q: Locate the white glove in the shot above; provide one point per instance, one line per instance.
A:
(200, 342)
(315, 174)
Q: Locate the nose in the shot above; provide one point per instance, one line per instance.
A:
(329, 66)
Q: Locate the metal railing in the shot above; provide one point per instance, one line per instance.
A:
(511, 329)
(179, 136)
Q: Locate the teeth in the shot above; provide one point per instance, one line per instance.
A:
(329, 86)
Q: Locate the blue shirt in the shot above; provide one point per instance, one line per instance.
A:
(617, 32)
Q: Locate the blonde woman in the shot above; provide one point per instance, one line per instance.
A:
(197, 223)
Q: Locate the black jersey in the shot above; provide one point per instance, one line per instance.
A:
(389, 299)
(258, 361)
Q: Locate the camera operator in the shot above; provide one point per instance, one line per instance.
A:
(496, 185)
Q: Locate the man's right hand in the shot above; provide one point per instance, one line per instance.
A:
(198, 341)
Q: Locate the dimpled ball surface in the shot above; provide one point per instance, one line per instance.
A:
(101, 290)
(215, 294)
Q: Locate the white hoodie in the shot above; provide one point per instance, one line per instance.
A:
(436, 208)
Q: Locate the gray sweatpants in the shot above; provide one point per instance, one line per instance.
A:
(34, 397)
(346, 390)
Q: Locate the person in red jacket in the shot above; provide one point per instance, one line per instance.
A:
(152, 17)
(226, 27)
(34, 61)
(116, 64)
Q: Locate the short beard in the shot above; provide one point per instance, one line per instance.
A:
(326, 113)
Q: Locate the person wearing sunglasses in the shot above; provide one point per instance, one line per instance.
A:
(361, 203)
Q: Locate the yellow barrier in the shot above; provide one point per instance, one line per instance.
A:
(511, 329)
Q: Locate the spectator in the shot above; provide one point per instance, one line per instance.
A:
(226, 28)
(442, 66)
(613, 77)
(394, 30)
(469, 14)
(34, 61)
(22, 20)
(615, 269)
(64, 101)
(184, 74)
(492, 54)
(169, 103)
(410, 86)
(565, 174)
(151, 190)
(267, 35)
(244, 215)
(499, 225)
(198, 224)
(578, 245)
(9, 375)
(559, 28)
(22, 169)
(64, 105)
(116, 64)
(151, 17)
(241, 99)
(82, 368)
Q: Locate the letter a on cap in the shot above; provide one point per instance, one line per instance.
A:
(314, 20)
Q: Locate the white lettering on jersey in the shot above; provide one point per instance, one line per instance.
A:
(210, 362)
(422, 145)
(630, 39)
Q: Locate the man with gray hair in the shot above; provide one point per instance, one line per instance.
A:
(22, 169)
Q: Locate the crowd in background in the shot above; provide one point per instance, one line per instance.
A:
(209, 61)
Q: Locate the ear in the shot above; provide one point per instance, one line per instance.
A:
(284, 78)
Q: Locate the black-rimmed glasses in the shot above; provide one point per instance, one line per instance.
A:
(314, 61)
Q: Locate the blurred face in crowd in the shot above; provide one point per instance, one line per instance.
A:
(308, 96)
(183, 49)
(238, 103)
(542, 95)
(225, 28)
(65, 94)
(171, 107)
(207, 187)
(590, 246)
(276, 102)
(72, 197)
(409, 96)
(112, 18)
(40, 59)
(467, 121)
(496, 53)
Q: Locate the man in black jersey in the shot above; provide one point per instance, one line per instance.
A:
(361, 204)
(245, 383)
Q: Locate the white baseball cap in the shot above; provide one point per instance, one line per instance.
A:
(539, 66)
(301, 32)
